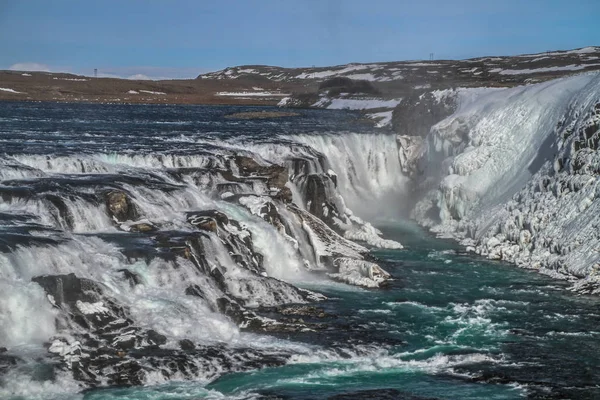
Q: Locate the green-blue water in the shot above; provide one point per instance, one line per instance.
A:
(451, 326)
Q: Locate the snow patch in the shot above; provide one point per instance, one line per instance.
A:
(9, 90)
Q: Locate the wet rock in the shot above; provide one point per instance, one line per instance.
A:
(235, 237)
(303, 310)
(68, 289)
(208, 224)
(156, 338)
(187, 345)
(194, 290)
(143, 228)
(132, 277)
(62, 213)
(232, 310)
(6, 361)
(120, 207)
(284, 194)
(276, 175)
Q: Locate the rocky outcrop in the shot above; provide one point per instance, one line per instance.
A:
(420, 110)
(120, 206)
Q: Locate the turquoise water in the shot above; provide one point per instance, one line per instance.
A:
(450, 326)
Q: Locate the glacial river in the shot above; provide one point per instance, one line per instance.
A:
(449, 325)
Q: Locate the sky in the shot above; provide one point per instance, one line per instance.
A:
(183, 38)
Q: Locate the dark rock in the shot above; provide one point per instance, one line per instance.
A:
(207, 224)
(132, 277)
(143, 228)
(276, 175)
(199, 217)
(284, 194)
(340, 84)
(303, 310)
(67, 289)
(187, 345)
(194, 290)
(419, 111)
(156, 338)
(120, 207)
(62, 215)
(6, 361)
(231, 309)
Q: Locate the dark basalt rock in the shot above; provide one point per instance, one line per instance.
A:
(143, 227)
(120, 207)
(239, 246)
(62, 212)
(317, 190)
(108, 348)
(68, 289)
(303, 310)
(132, 277)
(276, 175)
(6, 361)
(187, 345)
(156, 338)
(194, 290)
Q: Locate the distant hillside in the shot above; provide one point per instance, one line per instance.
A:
(373, 86)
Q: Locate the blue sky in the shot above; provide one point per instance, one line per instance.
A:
(183, 38)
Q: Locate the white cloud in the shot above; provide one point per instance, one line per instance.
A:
(29, 66)
(134, 73)
(150, 73)
(139, 77)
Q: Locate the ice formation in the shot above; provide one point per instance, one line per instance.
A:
(519, 175)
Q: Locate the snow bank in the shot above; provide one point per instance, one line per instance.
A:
(539, 70)
(9, 90)
(382, 119)
(356, 104)
(251, 94)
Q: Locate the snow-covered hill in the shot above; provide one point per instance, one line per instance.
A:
(477, 68)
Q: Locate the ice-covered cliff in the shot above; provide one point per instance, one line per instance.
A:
(518, 175)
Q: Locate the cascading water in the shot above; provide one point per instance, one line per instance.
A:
(367, 167)
(194, 256)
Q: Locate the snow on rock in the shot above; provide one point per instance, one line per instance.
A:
(355, 104)
(372, 236)
(331, 73)
(359, 272)
(91, 308)
(520, 176)
(251, 94)
(9, 90)
(151, 92)
(256, 204)
(538, 70)
(382, 119)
